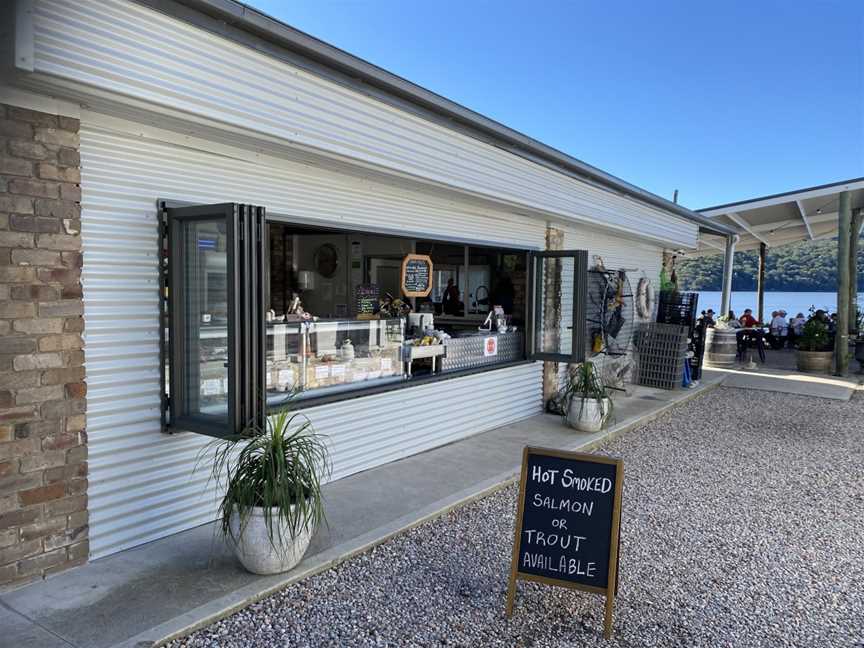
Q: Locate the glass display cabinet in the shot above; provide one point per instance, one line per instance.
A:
(324, 356)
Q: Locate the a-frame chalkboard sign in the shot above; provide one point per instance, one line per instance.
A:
(568, 523)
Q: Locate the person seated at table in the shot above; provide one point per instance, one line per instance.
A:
(796, 324)
(747, 320)
(821, 316)
(706, 319)
(778, 330)
(732, 321)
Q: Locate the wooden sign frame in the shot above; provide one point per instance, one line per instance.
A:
(611, 589)
(416, 257)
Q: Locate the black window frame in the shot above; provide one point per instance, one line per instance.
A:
(580, 300)
(246, 260)
(248, 267)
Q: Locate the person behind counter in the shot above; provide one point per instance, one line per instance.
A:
(504, 294)
(450, 303)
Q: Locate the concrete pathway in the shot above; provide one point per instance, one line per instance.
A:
(789, 382)
(143, 596)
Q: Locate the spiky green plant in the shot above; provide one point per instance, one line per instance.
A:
(584, 384)
(278, 469)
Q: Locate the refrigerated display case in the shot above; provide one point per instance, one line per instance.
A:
(325, 356)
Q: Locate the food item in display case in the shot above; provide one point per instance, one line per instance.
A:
(346, 351)
(426, 340)
(283, 376)
(392, 308)
(338, 373)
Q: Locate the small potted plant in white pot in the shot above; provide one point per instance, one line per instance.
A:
(273, 502)
(587, 406)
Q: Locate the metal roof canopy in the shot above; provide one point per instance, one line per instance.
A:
(802, 215)
(244, 24)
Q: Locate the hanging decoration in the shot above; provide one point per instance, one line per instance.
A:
(645, 298)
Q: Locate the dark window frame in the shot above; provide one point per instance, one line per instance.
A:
(248, 284)
(580, 299)
(245, 281)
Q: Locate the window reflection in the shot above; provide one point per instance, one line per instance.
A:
(205, 300)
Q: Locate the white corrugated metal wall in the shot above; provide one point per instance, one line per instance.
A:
(138, 54)
(142, 484)
(616, 252)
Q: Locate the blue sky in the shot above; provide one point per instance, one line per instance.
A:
(721, 100)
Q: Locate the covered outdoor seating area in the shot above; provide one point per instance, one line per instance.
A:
(828, 211)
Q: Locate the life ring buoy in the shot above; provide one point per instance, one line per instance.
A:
(645, 298)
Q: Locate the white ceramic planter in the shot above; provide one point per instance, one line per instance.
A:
(586, 416)
(254, 549)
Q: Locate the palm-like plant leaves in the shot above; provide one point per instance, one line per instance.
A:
(584, 383)
(278, 469)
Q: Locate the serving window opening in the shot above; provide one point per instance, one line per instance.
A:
(259, 313)
(349, 310)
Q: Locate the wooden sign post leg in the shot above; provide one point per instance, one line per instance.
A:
(607, 621)
(511, 596)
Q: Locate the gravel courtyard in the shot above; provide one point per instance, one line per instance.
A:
(742, 523)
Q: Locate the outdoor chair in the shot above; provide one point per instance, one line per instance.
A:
(751, 339)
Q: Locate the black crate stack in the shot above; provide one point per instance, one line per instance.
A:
(681, 308)
(661, 351)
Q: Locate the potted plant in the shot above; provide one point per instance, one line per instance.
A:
(273, 502)
(587, 406)
(815, 348)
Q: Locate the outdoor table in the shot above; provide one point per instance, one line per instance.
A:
(754, 333)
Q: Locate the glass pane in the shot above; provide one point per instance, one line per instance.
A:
(285, 350)
(555, 310)
(205, 302)
(325, 356)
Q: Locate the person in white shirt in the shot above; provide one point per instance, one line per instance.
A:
(796, 327)
(779, 329)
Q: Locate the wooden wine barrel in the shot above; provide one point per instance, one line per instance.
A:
(721, 347)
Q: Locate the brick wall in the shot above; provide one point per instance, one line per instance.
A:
(43, 444)
(552, 311)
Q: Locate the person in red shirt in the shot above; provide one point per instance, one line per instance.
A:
(747, 320)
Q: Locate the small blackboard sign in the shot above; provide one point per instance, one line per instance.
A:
(568, 522)
(416, 275)
(366, 298)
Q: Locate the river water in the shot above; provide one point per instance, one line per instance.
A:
(792, 302)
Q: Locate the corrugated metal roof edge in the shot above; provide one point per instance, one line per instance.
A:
(790, 194)
(238, 21)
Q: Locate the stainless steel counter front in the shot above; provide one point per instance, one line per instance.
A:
(469, 352)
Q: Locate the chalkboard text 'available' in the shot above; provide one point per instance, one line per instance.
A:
(567, 522)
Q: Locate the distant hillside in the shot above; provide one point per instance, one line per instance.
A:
(798, 267)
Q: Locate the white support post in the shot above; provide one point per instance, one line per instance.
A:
(726, 299)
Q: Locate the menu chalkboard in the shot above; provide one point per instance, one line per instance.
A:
(568, 522)
(416, 275)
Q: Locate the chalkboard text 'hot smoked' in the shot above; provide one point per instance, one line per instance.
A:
(567, 523)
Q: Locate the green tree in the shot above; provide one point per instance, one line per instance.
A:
(797, 267)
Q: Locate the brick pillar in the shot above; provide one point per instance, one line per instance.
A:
(43, 444)
(552, 310)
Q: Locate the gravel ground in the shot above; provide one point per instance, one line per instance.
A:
(742, 522)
